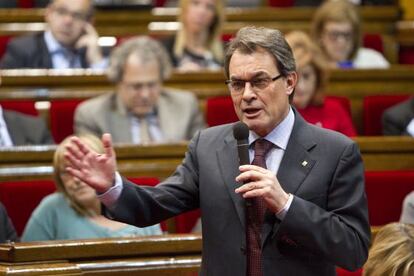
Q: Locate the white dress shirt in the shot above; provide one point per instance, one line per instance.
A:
(5, 139)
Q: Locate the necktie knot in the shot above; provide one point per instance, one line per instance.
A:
(262, 147)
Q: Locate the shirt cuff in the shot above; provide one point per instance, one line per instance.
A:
(282, 213)
(110, 197)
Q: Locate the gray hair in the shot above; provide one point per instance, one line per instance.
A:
(250, 39)
(145, 48)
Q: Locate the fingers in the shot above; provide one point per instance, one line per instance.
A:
(107, 143)
(253, 189)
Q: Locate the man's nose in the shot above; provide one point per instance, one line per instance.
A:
(248, 93)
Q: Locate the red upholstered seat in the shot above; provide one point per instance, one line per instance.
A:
(21, 197)
(373, 41)
(23, 106)
(373, 107)
(406, 55)
(281, 3)
(343, 272)
(4, 40)
(220, 110)
(385, 192)
(62, 118)
(26, 3)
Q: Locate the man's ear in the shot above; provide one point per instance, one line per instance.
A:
(291, 80)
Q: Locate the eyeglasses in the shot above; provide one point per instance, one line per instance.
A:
(237, 86)
(78, 16)
(335, 35)
(139, 86)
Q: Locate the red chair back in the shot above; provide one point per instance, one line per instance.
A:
(385, 192)
(21, 197)
(373, 41)
(26, 3)
(343, 272)
(373, 107)
(4, 40)
(281, 3)
(62, 118)
(406, 55)
(23, 106)
(220, 110)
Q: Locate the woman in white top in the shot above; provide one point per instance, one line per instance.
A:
(336, 28)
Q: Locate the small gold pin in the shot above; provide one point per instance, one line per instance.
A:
(304, 163)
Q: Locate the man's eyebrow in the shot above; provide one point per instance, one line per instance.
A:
(255, 75)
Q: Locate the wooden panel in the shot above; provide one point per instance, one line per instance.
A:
(78, 83)
(375, 20)
(160, 255)
(35, 162)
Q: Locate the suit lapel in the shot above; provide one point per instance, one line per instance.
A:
(118, 123)
(228, 164)
(295, 165)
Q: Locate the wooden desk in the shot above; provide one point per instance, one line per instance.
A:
(35, 162)
(69, 84)
(156, 255)
(378, 19)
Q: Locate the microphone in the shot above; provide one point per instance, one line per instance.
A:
(241, 134)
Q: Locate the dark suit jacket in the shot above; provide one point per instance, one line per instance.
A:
(396, 118)
(326, 225)
(26, 130)
(30, 51)
(7, 231)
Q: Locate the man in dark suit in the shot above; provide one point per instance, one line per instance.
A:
(312, 192)
(399, 119)
(18, 129)
(70, 41)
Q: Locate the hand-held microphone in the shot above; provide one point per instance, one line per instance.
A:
(241, 134)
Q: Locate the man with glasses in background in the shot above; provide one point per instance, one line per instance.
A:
(69, 41)
(141, 111)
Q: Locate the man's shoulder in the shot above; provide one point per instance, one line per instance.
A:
(27, 42)
(178, 94)
(21, 117)
(96, 103)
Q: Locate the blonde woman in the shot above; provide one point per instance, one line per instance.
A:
(336, 28)
(197, 45)
(392, 253)
(74, 211)
(309, 98)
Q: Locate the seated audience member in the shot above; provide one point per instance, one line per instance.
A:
(392, 253)
(7, 232)
(399, 119)
(141, 110)
(407, 214)
(197, 44)
(18, 129)
(70, 40)
(74, 212)
(309, 92)
(336, 28)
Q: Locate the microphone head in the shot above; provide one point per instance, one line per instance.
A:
(240, 131)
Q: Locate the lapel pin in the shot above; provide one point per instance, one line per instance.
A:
(304, 163)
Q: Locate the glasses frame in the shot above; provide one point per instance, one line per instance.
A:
(254, 87)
